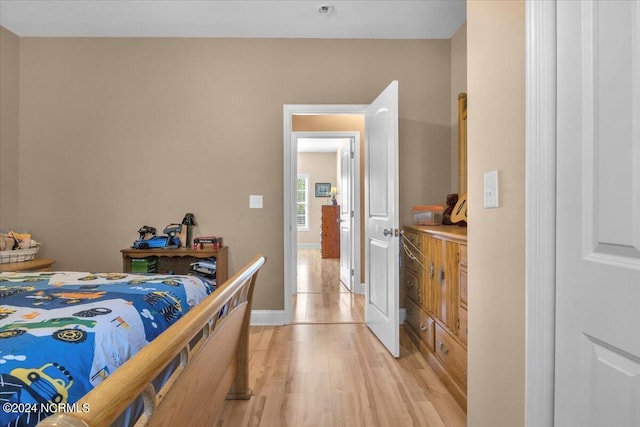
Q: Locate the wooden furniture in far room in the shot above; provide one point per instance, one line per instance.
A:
(330, 235)
(38, 264)
(436, 300)
(178, 260)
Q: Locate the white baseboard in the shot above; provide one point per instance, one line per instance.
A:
(276, 317)
(267, 317)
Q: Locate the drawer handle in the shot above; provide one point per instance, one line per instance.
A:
(422, 327)
(409, 311)
(444, 349)
(441, 276)
(431, 270)
(409, 284)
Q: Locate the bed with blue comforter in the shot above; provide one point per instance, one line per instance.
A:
(62, 333)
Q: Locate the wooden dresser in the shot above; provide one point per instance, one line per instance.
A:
(330, 234)
(436, 300)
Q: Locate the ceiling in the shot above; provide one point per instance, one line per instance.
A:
(320, 145)
(378, 19)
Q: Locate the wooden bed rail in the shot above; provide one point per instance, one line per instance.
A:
(225, 314)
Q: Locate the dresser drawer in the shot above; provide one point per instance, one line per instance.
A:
(421, 323)
(463, 327)
(413, 284)
(452, 355)
(463, 286)
(462, 254)
(416, 247)
(462, 274)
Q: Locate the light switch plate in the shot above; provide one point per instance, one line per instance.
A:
(255, 201)
(491, 189)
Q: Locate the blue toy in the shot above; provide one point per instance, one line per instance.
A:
(157, 242)
(168, 241)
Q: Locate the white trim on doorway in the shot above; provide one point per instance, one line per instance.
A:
(290, 171)
(540, 212)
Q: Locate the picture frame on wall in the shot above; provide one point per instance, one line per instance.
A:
(323, 189)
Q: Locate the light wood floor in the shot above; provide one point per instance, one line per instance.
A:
(321, 297)
(331, 373)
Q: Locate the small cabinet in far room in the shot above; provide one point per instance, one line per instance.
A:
(330, 231)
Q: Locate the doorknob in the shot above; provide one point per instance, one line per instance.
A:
(387, 232)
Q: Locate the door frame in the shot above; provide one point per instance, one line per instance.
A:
(354, 219)
(290, 171)
(540, 211)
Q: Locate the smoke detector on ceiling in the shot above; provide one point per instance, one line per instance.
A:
(325, 10)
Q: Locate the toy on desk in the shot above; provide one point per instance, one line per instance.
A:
(188, 222)
(207, 242)
(146, 232)
(168, 241)
(205, 267)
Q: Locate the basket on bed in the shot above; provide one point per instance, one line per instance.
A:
(18, 255)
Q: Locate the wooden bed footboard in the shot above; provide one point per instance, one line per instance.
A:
(211, 342)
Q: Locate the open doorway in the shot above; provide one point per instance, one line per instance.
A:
(342, 121)
(327, 174)
(379, 222)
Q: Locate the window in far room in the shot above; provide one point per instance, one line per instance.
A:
(303, 202)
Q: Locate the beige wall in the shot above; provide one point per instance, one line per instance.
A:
(117, 133)
(458, 85)
(496, 134)
(9, 102)
(321, 167)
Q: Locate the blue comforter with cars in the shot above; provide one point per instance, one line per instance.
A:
(62, 333)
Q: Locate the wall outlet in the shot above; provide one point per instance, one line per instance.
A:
(255, 201)
(491, 189)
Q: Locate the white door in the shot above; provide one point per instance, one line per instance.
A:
(381, 218)
(345, 188)
(597, 372)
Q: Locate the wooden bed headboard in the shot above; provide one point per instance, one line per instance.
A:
(211, 342)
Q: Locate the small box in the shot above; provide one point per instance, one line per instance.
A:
(144, 265)
(207, 242)
(428, 215)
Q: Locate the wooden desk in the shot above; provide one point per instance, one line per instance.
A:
(178, 260)
(38, 264)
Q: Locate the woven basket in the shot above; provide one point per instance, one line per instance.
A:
(18, 255)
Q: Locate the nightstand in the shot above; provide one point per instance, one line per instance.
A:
(178, 260)
(38, 264)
